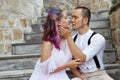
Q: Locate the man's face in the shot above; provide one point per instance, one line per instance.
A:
(77, 19)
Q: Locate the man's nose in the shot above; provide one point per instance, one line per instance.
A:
(72, 20)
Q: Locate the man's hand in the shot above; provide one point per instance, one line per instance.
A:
(74, 63)
(64, 32)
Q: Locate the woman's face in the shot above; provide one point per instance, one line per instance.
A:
(65, 21)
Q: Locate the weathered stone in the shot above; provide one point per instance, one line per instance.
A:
(104, 31)
(30, 48)
(16, 17)
(1, 35)
(16, 64)
(33, 38)
(113, 20)
(104, 5)
(115, 24)
(8, 48)
(66, 5)
(7, 35)
(99, 24)
(1, 48)
(23, 22)
(17, 34)
(29, 8)
(69, 5)
(117, 35)
(113, 37)
(100, 15)
(118, 51)
(109, 56)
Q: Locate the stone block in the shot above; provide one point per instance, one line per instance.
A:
(33, 37)
(109, 56)
(1, 48)
(109, 44)
(17, 34)
(24, 48)
(1, 35)
(18, 63)
(100, 24)
(118, 51)
(103, 31)
(113, 20)
(7, 35)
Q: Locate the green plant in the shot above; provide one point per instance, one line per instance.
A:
(114, 1)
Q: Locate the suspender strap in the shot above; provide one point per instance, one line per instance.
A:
(91, 37)
(75, 37)
(96, 62)
(89, 41)
(95, 57)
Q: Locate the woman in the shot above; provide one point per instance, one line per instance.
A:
(55, 53)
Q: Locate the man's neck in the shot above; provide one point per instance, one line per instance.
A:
(83, 30)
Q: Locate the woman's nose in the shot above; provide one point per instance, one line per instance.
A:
(69, 17)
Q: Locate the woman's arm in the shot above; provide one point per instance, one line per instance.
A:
(46, 50)
(78, 74)
(75, 71)
(71, 64)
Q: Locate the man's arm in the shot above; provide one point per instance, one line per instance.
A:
(76, 52)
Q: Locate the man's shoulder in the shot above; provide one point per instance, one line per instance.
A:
(99, 37)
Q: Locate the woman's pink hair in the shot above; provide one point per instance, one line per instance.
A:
(50, 28)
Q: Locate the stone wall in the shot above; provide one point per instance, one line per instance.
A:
(68, 5)
(115, 26)
(16, 17)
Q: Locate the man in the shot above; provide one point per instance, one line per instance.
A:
(88, 46)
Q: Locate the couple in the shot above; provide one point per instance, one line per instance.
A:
(58, 48)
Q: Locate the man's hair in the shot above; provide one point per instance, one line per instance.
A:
(85, 12)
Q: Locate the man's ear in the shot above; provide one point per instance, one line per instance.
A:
(85, 21)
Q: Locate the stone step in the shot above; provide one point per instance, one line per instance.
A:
(26, 48)
(33, 45)
(33, 37)
(18, 62)
(16, 74)
(98, 20)
(103, 31)
(94, 23)
(37, 37)
(100, 24)
(27, 61)
(112, 69)
(103, 14)
(109, 56)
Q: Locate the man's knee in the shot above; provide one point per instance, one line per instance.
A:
(76, 79)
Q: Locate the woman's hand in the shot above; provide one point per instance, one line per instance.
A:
(82, 77)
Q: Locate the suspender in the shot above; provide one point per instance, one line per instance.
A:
(75, 37)
(89, 41)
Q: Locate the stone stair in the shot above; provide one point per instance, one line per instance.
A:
(19, 66)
